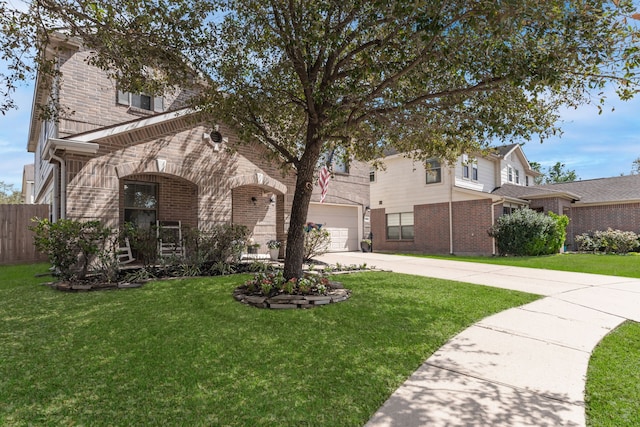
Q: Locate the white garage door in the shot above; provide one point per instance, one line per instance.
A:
(340, 221)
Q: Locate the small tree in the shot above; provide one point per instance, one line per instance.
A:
(529, 233)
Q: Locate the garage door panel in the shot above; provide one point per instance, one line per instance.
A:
(340, 221)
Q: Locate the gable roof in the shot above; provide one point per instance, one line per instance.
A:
(620, 189)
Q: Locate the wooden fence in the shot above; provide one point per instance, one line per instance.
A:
(16, 240)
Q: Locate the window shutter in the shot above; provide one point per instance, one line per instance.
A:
(158, 104)
(123, 98)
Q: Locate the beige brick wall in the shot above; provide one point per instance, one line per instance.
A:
(197, 185)
(89, 97)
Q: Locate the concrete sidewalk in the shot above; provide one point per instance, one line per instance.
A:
(522, 367)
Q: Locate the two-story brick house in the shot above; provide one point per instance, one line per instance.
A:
(435, 207)
(448, 209)
(118, 156)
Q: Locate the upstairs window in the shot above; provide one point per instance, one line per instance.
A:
(141, 101)
(372, 175)
(434, 171)
(517, 176)
(469, 168)
(510, 173)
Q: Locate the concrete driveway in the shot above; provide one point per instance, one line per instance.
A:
(522, 367)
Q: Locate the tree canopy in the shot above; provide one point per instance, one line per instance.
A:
(424, 77)
(9, 195)
(554, 174)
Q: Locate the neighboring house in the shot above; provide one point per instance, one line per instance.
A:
(121, 157)
(28, 184)
(434, 207)
(444, 209)
(591, 205)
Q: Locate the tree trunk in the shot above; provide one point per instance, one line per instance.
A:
(294, 256)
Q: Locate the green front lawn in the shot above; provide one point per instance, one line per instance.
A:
(613, 379)
(183, 352)
(612, 265)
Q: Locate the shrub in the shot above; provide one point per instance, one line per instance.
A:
(222, 243)
(529, 233)
(72, 245)
(316, 242)
(609, 241)
(144, 243)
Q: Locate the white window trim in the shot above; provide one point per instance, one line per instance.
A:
(157, 102)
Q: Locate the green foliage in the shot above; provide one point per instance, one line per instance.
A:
(221, 243)
(70, 243)
(554, 174)
(274, 283)
(558, 235)
(144, 243)
(316, 243)
(8, 194)
(526, 233)
(609, 241)
(557, 173)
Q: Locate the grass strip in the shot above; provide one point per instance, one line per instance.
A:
(612, 265)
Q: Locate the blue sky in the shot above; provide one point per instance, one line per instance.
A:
(595, 146)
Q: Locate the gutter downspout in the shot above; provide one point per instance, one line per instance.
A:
(451, 210)
(493, 221)
(62, 184)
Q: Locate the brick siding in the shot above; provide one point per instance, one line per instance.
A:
(471, 220)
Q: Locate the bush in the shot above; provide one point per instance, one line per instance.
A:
(609, 241)
(316, 242)
(529, 233)
(73, 245)
(221, 244)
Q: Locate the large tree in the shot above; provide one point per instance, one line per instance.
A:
(430, 78)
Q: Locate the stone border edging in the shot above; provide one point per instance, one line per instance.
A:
(285, 301)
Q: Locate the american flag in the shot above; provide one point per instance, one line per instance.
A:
(323, 182)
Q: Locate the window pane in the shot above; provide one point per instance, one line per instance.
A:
(406, 218)
(475, 173)
(433, 171)
(339, 166)
(407, 232)
(372, 176)
(139, 195)
(465, 171)
(393, 233)
(141, 101)
(393, 219)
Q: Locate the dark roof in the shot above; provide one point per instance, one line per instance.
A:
(601, 190)
(503, 150)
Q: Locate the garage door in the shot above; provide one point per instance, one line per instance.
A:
(340, 221)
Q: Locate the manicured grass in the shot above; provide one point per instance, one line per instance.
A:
(612, 265)
(613, 385)
(183, 352)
